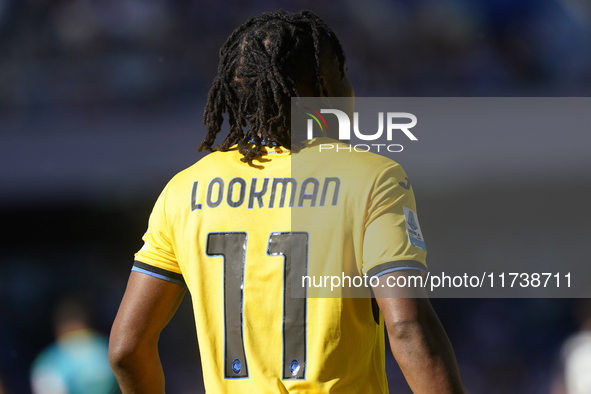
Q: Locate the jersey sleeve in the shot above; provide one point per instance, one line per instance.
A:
(157, 257)
(393, 238)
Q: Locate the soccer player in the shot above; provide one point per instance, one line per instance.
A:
(76, 363)
(236, 228)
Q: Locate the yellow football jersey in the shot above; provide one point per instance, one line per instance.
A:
(242, 236)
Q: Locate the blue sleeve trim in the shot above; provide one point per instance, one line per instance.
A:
(398, 269)
(392, 266)
(158, 273)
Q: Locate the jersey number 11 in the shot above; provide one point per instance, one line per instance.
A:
(293, 246)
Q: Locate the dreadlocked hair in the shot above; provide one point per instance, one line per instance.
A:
(259, 66)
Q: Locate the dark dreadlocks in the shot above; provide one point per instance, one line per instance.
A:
(260, 65)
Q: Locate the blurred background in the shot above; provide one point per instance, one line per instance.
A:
(101, 104)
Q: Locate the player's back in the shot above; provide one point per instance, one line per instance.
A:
(242, 235)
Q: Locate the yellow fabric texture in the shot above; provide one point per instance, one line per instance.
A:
(345, 348)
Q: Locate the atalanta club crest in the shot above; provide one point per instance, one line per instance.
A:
(294, 367)
(236, 366)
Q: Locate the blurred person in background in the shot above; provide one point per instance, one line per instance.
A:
(2, 387)
(576, 356)
(77, 362)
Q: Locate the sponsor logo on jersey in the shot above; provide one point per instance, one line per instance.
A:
(405, 185)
